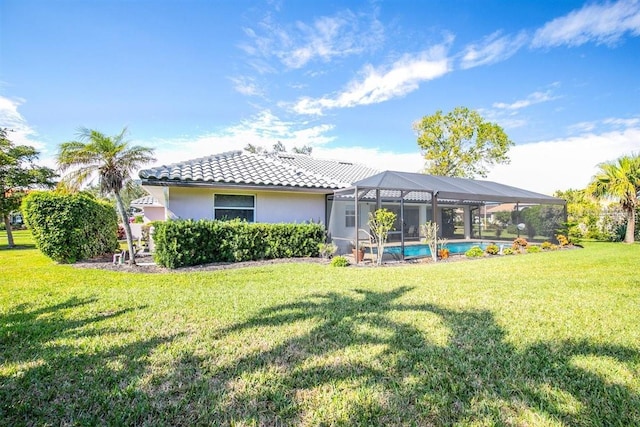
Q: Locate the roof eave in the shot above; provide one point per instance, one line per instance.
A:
(244, 186)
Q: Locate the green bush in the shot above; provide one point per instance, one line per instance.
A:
(339, 261)
(188, 242)
(508, 251)
(474, 252)
(533, 249)
(492, 249)
(70, 227)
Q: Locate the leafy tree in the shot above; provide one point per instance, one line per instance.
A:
(583, 212)
(254, 149)
(461, 143)
(111, 158)
(18, 173)
(278, 148)
(131, 191)
(502, 217)
(620, 180)
(380, 223)
(305, 149)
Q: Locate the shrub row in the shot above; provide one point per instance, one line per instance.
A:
(70, 227)
(188, 242)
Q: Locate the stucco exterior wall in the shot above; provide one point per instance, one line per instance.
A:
(153, 213)
(290, 207)
(270, 206)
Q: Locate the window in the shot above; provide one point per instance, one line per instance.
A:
(232, 206)
(350, 217)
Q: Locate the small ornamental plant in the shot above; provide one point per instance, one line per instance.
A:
(339, 261)
(508, 251)
(443, 253)
(327, 250)
(533, 249)
(546, 246)
(520, 244)
(492, 249)
(562, 240)
(474, 252)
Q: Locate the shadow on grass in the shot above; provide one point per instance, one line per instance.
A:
(396, 374)
(357, 358)
(56, 368)
(6, 247)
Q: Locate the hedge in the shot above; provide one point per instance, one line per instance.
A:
(70, 227)
(187, 242)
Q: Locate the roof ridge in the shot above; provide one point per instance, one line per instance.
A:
(275, 158)
(276, 155)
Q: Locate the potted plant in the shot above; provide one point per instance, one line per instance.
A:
(358, 252)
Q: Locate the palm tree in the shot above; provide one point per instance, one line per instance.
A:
(620, 180)
(111, 158)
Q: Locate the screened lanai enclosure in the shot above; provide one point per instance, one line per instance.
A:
(464, 210)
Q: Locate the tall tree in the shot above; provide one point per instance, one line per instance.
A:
(620, 180)
(18, 173)
(461, 143)
(111, 159)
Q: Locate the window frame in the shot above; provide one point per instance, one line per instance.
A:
(235, 208)
(349, 217)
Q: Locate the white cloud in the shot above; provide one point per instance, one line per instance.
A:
(560, 164)
(533, 98)
(493, 48)
(382, 84)
(263, 129)
(20, 132)
(600, 23)
(328, 37)
(246, 86)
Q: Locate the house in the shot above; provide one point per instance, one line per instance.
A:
(271, 187)
(285, 187)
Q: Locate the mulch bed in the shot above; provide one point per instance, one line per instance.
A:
(144, 264)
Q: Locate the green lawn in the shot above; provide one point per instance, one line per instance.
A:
(547, 339)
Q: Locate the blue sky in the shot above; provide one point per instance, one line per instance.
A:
(192, 78)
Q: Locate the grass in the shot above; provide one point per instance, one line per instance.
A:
(549, 339)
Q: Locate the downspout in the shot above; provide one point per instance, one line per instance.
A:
(518, 217)
(402, 223)
(165, 192)
(356, 240)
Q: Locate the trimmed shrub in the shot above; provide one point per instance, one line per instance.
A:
(188, 242)
(508, 251)
(474, 252)
(71, 227)
(339, 261)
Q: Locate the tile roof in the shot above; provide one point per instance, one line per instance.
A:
(272, 169)
(145, 201)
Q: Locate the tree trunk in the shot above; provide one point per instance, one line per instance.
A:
(631, 226)
(7, 224)
(127, 228)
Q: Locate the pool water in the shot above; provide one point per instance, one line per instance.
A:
(423, 250)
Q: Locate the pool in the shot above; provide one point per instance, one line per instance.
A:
(424, 251)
